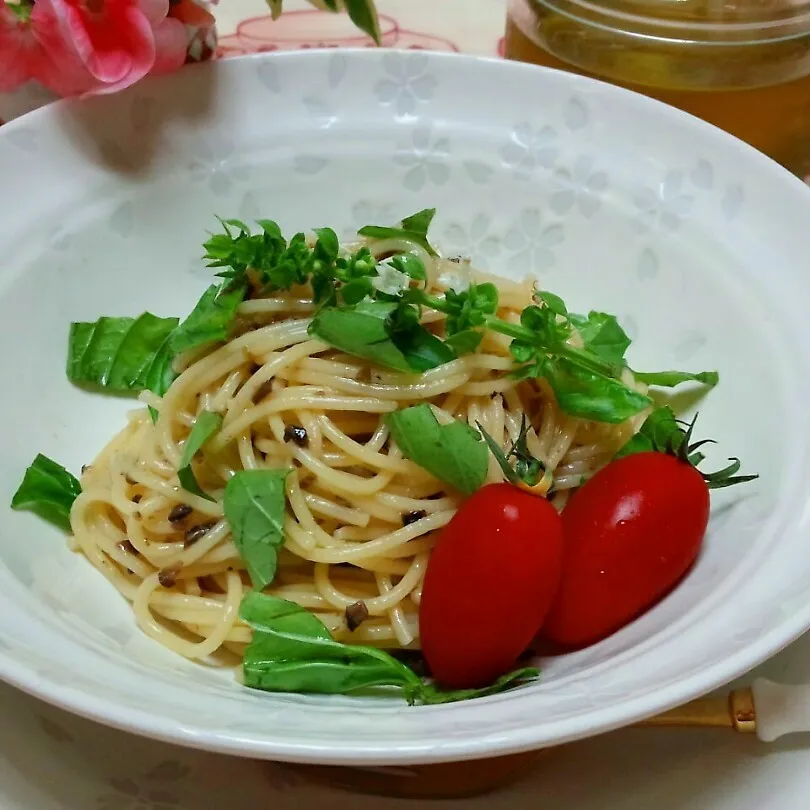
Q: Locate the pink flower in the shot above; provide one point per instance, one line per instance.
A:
(17, 50)
(88, 46)
(120, 41)
(31, 47)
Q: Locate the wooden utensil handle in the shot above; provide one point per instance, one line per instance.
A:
(736, 710)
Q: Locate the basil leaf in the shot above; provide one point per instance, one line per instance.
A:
(254, 507)
(452, 453)
(354, 291)
(411, 265)
(587, 395)
(288, 620)
(464, 342)
(327, 247)
(292, 651)
(328, 676)
(669, 379)
(422, 349)
(371, 330)
(47, 490)
(211, 318)
(160, 374)
(118, 354)
(207, 424)
(360, 330)
(361, 12)
(521, 351)
(554, 303)
(659, 433)
(432, 695)
(420, 221)
(602, 335)
(413, 228)
(364, 15)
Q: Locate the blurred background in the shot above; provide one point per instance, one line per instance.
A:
(743, 65)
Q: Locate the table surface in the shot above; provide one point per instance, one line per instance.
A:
(88, 767)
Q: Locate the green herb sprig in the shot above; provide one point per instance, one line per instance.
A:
(581, 356)
(526, 469)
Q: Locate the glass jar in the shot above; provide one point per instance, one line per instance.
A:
(743, 65)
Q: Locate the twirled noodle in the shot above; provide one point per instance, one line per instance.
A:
(361, 519)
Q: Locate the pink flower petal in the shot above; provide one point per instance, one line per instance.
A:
(141, 51)
(64, 83)
(116, 45)
(74, 51)
(108, 66)
(60, 67)
(37, 51)
(171, 44)
(154, 10)
(17, 51)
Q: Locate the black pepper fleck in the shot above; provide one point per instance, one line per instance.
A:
(297, 434)
(197, 532)
(180, 512)
(137, 498)
(412, 517)
(356, 614)
(167, 577)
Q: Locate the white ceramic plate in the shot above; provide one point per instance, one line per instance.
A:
(697, 242)
(93, 768)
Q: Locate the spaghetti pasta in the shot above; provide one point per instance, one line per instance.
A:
(290, 401)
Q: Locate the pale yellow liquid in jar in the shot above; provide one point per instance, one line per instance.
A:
(737, 88)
